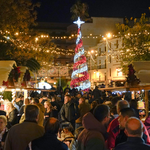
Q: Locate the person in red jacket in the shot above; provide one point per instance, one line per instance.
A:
(124, 115)
(147, 124)
(113, 128)
(134, 131)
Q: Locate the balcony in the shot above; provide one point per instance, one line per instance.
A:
(101, 67)
(96, 67)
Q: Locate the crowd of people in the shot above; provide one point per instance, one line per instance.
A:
(71, 119)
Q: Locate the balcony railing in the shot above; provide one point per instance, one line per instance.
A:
(96, 67)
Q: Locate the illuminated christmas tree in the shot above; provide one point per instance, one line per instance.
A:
(80, 76)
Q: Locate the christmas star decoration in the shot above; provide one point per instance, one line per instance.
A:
(78, 22)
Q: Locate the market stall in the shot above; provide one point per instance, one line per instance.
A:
(5, 68)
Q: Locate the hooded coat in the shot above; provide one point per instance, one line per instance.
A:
(93, 135)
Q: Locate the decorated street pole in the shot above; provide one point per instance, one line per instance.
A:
(80, 75)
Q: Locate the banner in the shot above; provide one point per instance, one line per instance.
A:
(54, 72)
(63, 71)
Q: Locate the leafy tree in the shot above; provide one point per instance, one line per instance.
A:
(136, 39)
(17, 15)
(79, 10)
(17, 38)
(7, 95)
(26, 52)
(63, 82)
(131, 77)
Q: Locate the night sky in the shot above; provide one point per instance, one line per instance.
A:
(59, 10)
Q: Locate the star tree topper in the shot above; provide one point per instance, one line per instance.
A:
(78, 22)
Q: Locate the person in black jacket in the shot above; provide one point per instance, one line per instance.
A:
(48, 111)
(49, 141)
(97, 93)
(69, 111)
(3, 130)
(56, 108)
(134, 131)
(12, 113)
(124, 115)
(67, 89)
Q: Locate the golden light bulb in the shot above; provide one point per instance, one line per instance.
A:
(108, 35)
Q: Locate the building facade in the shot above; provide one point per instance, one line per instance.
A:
(104, 63)
(100, 70)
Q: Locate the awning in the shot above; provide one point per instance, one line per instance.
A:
(142, 69)
(5, 68)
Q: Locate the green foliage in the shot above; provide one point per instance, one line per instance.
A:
(7, 95)
(63, 82)
(32, 55)
(14, 74)
(22, 56)
(136, 37)
(27, 76)
(79, 10)
(33, 64)
(68, 83)
(17, 15)
(131, 78)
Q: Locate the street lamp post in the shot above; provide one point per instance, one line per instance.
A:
(90, 53)
(106, 39)
(90, 68)
(59, 75)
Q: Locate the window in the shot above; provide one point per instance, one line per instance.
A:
(105, 48)
(99, 64)
(119, 72)
(117, 44)
(99, 52)
(109, 45)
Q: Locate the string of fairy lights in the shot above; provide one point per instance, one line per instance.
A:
(116, 53)
(35, 46)
(69, 52)
(72, 36)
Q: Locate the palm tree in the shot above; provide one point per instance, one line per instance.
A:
(79, 10)
(22, 57)
(33, 64)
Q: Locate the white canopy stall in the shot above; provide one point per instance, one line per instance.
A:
(142, 69)
(5, 68)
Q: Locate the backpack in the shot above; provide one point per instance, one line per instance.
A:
(74, 144)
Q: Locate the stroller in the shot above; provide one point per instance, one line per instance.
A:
(66, 132)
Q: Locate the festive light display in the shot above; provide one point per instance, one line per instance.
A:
(77, 55)
(44, 85)
(80, 76)
(13, 94)
(78, 71)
